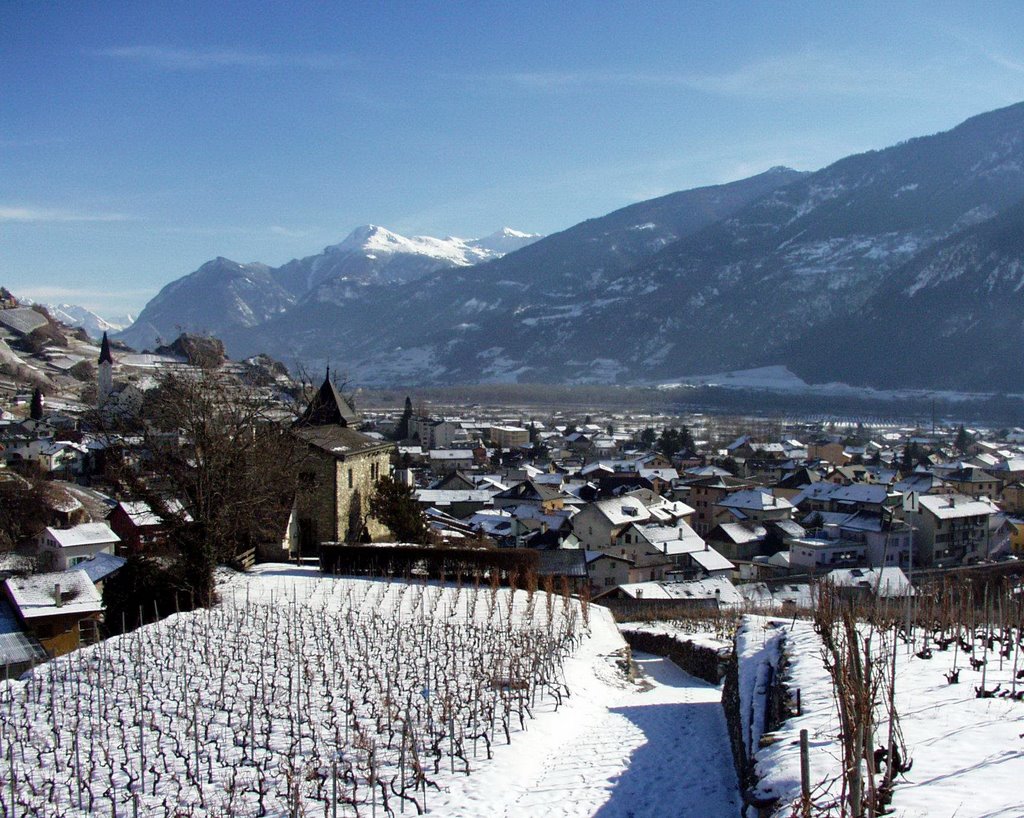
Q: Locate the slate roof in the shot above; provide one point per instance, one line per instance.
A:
(22, 319)
(339, 441)
(328, 407)
(563, 562)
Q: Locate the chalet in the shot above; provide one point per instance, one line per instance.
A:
(56, 608)
(339, 475)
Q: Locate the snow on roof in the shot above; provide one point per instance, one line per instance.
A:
(954, 506)
(448, 496)
(740, 533)
(717, 588)
(84, 534)
(754, 499)
(451, 454)
(620, 510)
(710, 560)
(35, 596)
(889, 581)
(142, 514)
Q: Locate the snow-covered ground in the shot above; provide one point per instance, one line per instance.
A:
(246, 708)
(967, 753)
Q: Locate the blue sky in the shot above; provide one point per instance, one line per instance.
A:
(138, 140)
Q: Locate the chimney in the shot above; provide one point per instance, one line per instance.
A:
(56, 595)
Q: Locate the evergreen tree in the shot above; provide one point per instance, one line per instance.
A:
(647, 437)
(963, 440)
(402, 430)
(36, 411)
(394, 504)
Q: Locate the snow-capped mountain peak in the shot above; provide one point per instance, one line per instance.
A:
(453, 251)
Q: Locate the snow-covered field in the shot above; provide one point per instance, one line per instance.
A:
(967, 752)
(302, 694)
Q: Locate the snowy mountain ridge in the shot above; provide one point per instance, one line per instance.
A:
(223, 295)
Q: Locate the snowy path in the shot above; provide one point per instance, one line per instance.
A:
(657, 752)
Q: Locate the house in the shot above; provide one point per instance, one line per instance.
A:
(739, 540)
(828, 496)
(101, 567)
(57, 608)
(949, 529)
(816, 554)
(598, 524)
(866, 583)
(607, 570)
(973, 482)
(533, 492)
(886, 540)
(459, 503)
(139, 527)
(696, 594)
(678, 548)
(445, 461)
(705, 494)
(509, 437)
(339, 475)
(64, 548)
(752, 505)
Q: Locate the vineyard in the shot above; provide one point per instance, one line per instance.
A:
(328, 697)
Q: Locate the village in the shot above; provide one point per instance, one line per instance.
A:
(630, 508)
(652, 518)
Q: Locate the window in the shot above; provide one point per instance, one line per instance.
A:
(350, 478)
(609, 581)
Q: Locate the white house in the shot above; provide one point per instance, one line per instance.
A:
(69, 546)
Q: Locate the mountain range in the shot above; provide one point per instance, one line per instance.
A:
(224, 295)
(896, 267)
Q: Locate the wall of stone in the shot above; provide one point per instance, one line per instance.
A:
(698, 660)
(358, 475)
(777, 710)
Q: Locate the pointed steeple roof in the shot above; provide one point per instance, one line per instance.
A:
(328, 407)
(105, 357)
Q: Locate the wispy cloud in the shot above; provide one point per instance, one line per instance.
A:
(16, 213)
(289, 232)
(200, 59)
(48, 292)
(791, 75)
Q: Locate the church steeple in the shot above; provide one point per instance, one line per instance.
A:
(328, 407)
(105, 371)
(105, 357)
